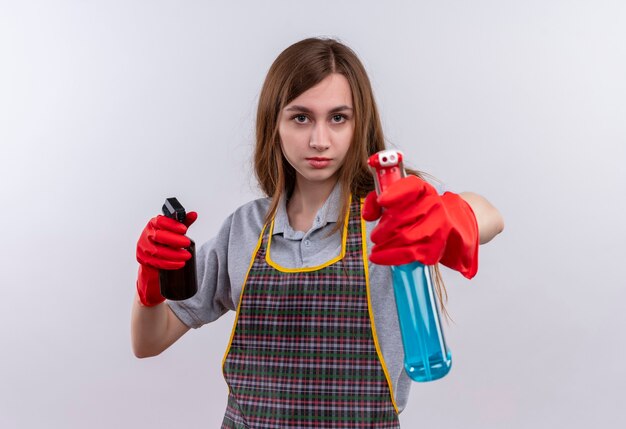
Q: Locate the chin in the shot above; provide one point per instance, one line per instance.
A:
(319, 176)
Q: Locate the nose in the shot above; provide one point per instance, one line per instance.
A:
(320, 139)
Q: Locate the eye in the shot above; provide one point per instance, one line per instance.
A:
(300, 119)
(338, 119)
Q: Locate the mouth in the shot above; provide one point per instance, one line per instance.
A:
(318, 162)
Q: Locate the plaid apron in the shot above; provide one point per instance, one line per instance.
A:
(302, 353)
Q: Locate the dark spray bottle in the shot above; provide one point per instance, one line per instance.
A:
(180, 284)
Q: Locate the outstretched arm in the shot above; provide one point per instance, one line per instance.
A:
(418, 224)
(154, 326)
(489, 220)
(154, 329)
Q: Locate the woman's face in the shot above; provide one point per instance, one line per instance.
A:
(316, 130)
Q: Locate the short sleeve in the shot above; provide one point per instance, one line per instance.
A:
(222, 264)
(213, 298)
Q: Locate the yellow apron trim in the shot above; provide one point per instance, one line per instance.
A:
(245, 280)
(369, 308)
(344, 237)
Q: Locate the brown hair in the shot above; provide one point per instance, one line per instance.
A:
(298, 68)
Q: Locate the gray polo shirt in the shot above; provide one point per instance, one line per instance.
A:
(223, 262)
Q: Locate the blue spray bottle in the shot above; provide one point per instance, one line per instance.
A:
(426, 356)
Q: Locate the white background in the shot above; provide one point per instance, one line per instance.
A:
(107, 108)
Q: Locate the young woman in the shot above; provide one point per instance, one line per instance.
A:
(316, 341)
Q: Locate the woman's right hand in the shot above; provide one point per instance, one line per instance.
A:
(161, 246)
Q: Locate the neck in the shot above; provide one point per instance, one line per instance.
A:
(307, 199)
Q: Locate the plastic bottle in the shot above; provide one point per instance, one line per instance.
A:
(180, 284)
(426, 355)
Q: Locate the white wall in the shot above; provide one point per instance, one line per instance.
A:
(106, 108)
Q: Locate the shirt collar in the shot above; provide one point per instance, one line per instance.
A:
(328, 213)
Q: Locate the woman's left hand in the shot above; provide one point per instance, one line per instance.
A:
(418, 224)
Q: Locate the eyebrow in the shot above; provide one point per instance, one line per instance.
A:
(297, 108)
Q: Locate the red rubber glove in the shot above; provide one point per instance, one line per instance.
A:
(160, 246)
(418, 224)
